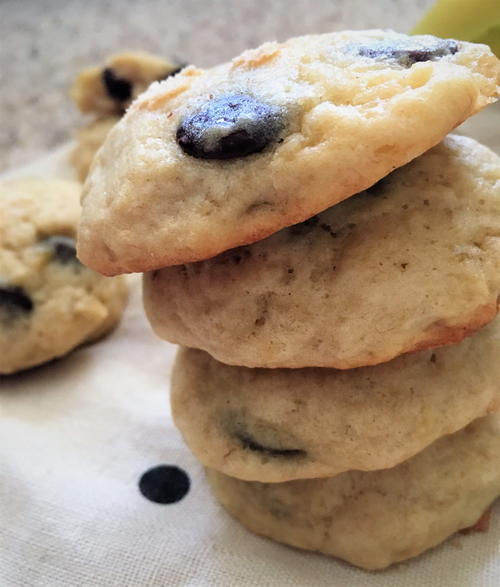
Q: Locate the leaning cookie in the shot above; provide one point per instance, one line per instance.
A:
(49, 302)
(275, 425)
(375, 519)
(210, 160)
(412, 263)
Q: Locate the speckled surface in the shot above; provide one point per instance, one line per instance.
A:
(45, 42)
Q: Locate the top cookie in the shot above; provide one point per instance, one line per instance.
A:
(209, 160)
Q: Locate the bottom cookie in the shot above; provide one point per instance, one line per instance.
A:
(375, 519)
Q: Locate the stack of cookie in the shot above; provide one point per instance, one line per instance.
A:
(334, 278)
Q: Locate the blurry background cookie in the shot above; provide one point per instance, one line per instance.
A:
(411, 263)
(274, 425)
(213, 159)
(375, 519)
(49, 302)
(107, 91)
(110, 89)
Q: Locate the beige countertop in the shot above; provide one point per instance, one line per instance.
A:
(44, 43)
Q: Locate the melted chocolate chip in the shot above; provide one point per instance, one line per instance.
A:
(64, 249)
(409, 51)
(164, 484)
(250, 444)
(118, 88)
(14, 302)
(230, 126)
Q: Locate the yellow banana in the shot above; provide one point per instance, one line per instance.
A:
(469, 20)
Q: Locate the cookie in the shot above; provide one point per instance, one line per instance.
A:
(89, 139)
(49, 302)
(277, 425)
(109, 90)
(373, 520)
(411, 263)
(210, 160)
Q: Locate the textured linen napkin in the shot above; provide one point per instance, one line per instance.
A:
(77, 435)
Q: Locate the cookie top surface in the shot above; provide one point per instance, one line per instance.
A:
(275, 425)
(210, 160)
(109, 89)
(411, 263)
(375, 519)
(49, 302)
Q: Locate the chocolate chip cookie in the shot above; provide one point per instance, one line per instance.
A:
(276, 425)
(412, 263)
(106, 92)
(49, 302)
(209, 160)
(373, 520)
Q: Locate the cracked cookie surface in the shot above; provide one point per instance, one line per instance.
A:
(49, 302)
(174, 183)
(108, 90)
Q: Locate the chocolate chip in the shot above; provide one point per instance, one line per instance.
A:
(63, 248)
(409, 51)
(118, 88)
(14, 302)
(164, 484)
(249, 443)
(230, 126)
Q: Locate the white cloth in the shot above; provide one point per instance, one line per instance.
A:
(75, 437)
